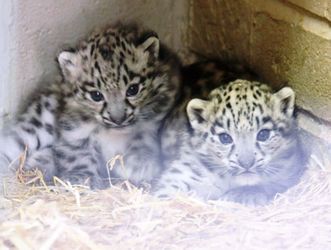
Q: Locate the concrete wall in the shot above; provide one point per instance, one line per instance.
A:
(6, 72)
(32, 33)
(284, 41)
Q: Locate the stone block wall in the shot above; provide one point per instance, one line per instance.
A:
(286, 42)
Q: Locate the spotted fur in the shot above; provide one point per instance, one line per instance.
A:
(241, 144)
(118, 86)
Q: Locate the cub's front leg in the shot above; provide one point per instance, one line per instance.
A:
(77, 156)
(185, 175)
(141, 160)
(79, 164)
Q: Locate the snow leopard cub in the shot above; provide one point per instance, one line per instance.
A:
(241, 145)
(117, 87)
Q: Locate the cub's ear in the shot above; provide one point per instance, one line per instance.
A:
(283, 101)
(69, 63)
(151, 44)
(197, 113)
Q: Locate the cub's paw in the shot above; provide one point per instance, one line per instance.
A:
(168, 190)
(42, 160)
(93, 182)
(162, 192)
(249, 196)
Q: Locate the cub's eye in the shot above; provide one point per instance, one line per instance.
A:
(263, 135)
(225, 138)
(96, 96)
(132, 90)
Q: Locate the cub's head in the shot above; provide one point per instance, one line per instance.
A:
(246, 133)
(120, 76)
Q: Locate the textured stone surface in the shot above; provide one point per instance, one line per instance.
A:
(321, 8)
(279, 40)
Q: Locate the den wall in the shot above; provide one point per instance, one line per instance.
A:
(286, 42)
(33, 32)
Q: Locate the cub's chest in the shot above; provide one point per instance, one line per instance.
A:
(113, 142)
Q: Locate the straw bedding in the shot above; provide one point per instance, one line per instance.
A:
(124, 217)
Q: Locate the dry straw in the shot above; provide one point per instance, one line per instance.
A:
(37, 216)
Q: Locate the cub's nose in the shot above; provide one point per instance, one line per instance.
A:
(118, 120)
(246, 162)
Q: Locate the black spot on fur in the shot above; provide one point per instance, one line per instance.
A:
(92, 49)
(38, 143)
(266, 119)
(123, 46)
(36, 122)
(71, 159)
(228, 123)
(80, 167)
(196, 172)
(66, 125)
(105, 52)
(212, 130)
(29, 130)
(188, 187)
(84, 117)
(118, 40)
(49, 128)
(38, 108)
(205, 136)
(257, 121)
(175, 171)
(98, 83)
(125, 79)
(259, 106)
(97, 66)
(94, 161)
(59, 154)
(91, 84)
(43, 160)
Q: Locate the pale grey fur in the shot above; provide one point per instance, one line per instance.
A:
(241, 168)
(95, 117)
